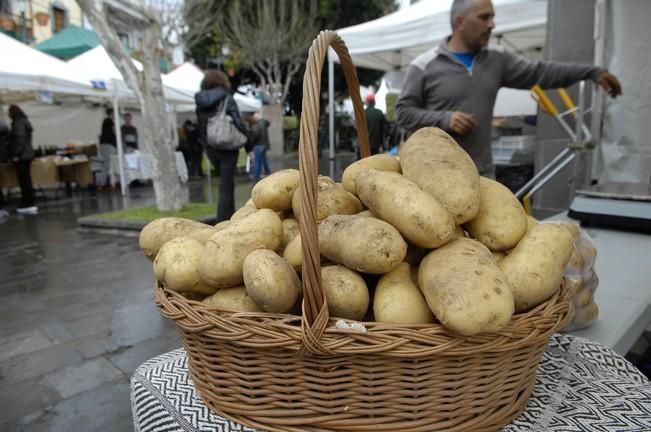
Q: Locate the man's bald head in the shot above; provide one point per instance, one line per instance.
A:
(459, 8)
(472, 22)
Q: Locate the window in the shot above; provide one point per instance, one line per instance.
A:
(5, 7)
(59, 22)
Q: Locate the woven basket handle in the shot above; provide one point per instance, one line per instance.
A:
(315, 309)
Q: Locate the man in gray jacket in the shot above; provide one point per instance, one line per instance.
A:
(454, 85)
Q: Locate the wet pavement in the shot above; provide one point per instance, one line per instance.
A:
(77, 314)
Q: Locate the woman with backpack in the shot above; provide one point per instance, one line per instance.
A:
(210, 100)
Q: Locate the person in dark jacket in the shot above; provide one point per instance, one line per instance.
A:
(107, 147)
(192, 149)
(22, 154)
(260, 140)
(377, 125)
(4, 158)
(454, 85)
(215, 90)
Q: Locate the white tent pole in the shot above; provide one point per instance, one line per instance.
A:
(598, 102)
(331, 117)
(118, 136)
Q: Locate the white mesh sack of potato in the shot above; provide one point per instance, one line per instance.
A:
(581, 274)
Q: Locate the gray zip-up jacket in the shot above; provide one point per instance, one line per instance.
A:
(438, 84)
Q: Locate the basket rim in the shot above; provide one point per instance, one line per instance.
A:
(268, 330)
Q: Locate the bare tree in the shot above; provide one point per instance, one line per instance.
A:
(147, 87)
(272, 35)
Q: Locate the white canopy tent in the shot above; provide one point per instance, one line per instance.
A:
(187, 78)
(24, 69)
(97, 66)
(390, 43)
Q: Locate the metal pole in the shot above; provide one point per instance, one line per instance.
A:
(118, 137)
(524, 189)
(331, 118)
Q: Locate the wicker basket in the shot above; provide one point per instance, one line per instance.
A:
(288, 373)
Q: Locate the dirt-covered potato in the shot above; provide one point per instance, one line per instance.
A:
(177, 266)
(361, 243)
(332, 198)
(270, 281)
(531, 222)
(235, 298)
(465, 288)
(535, 267)
(290, 230)
(275, 192)
(292, 253)
(380, 162)
(345, 291)
(225, 252)
(159, 231)
(438, 165)
(398, 300)
(419, 217)
(501, 220)
(246, 210)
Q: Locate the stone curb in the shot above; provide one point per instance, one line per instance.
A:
(129, 225)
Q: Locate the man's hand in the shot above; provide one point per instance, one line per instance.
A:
(462, 123)
(610, 83)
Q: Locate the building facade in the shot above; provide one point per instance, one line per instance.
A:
(35, 21)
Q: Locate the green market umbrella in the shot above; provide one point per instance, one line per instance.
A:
(70, 42)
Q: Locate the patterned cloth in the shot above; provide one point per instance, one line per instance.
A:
(580, 386)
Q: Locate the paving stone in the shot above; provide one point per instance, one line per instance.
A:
(129, 359)
(82, 377)
(56, 332)
(21, 398)
(25, 366)
(106, 407)
(23, 342)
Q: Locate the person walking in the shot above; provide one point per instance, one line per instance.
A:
(22, 154)
(215, 91)
(129, 134)
(107, 148)
(192, 150)
(377, 125)
(260, 140)
(4, 158)
(454, 85)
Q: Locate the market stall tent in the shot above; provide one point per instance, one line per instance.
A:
(187, 77)
(96, 65)
(70, 42)
(24, 69)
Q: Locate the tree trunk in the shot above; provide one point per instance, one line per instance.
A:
(274, 113)
(148, 88)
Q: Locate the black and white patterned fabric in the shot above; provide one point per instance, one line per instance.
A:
(580, 386)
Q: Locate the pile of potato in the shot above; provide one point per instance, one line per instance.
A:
(580, 275)
(406, 240)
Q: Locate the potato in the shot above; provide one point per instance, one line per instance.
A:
(235, 298)
(292, 253)
(366, 213)
(221, 225)
(586, 315)
(345, 291)
(177, 266)
(159, 231)
(531, 222)
(223, 258)
(535, 267)
(438, 165)
(380, 162)
(275, 192)
(202, 235)
(498, 255)
(270, 281)
(583, 297)
(246, 210)
(332, 198)
(398, 300)
(459, 233)
(575, 264)
(419, 217)
(363, 244)
(290, 230)
(501, 220)
(465, 288)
